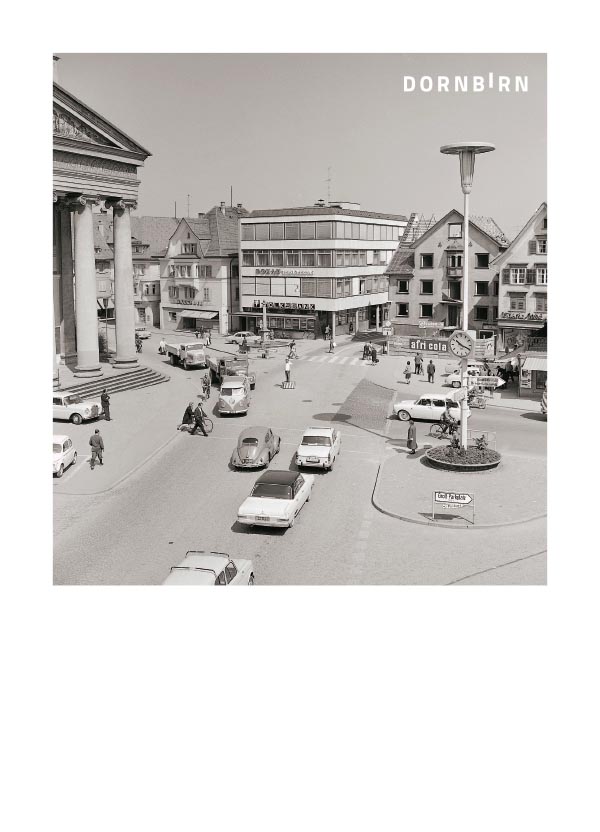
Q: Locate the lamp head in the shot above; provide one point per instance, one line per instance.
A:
(466, 151)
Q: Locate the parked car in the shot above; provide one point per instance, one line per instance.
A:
(255, 447)
(210, 569)
(474, 369)
(234, 395)
(73, 408)
(454, 366)
(64, 454)
(428, 407)
(319, 448)
(276, 499)
(238, 337)
(142, 332)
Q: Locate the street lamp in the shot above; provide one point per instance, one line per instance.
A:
(466, 151)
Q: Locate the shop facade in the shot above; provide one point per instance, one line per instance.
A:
(317, 266)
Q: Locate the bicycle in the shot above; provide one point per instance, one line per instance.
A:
(208, 426)
(441, 430)
(477, 400)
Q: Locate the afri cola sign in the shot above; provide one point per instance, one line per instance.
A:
(429, 344)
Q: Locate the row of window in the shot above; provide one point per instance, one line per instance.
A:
(147, 289)
(519, 303)
(455, 261)
(482, 288)
(326, 230)
(426, 311)
(318, 258)
(522, 275)
(313, 287)
(187, 293)
(189, 270)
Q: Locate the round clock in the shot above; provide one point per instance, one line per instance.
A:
(461, 344)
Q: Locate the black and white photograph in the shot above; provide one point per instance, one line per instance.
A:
(292, 347)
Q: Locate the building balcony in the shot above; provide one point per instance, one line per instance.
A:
(453, 272)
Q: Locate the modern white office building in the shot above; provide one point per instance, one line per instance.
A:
(316, 266)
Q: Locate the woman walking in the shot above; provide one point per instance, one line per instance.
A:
(411, 439)
(407, 372)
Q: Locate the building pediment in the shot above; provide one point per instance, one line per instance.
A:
(68, 126)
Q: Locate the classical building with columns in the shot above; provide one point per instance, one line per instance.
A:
(95, 164)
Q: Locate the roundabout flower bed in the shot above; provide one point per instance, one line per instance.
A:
(456, 459)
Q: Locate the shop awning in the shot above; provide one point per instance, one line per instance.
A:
(195, 313)
(532, 363)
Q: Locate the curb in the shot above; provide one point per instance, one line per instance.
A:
(437, 524)
(121, 479)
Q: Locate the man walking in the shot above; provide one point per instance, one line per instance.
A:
(418, 364)
(97, 446)
(430, 371)
(288, 369)
(198, 420)
(105, 399)
(327, 331)
(411, 439)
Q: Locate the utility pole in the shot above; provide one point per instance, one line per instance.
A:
(175, 209)
(231, 196)
(188, 213)
(328, 180)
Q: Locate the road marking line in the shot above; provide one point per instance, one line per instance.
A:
(354, 361)
(73, 469)
(343, 360)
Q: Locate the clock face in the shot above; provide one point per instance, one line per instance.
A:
(461, 344)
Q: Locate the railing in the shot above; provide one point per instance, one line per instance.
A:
(453, 272)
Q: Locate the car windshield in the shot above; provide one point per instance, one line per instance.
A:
(230, 391)
(247, 440)
(73, 400)
(316, 440)
(56, 448)
(273, 490)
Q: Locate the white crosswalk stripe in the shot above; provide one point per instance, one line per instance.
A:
(343, 360)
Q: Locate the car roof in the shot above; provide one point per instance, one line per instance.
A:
(312, 431)
(212, 561)
(60, 437)
(234, 381)
(253, 432)
(278, 477)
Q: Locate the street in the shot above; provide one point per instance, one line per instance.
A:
(186, 496)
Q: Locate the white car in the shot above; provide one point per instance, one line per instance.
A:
(73, 408)
(429, 407)
(473, 370)
(234, 395)
(276, 499)
(319, 448)
(142, 332)
(238, 337)
(210, 569)
(454, 366)
(63, 454)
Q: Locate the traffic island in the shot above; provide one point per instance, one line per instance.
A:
(461, 460)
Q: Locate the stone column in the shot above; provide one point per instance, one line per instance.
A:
(377, 326)
(88, 356)
(69, 340)
(356, 321)
(333, 325)
(124, 306)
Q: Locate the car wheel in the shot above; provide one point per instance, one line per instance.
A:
(309, 496)
(172, 360)
(403, 415)
(251, 580)
(76, 419)
(74, 458)
(456, 384)
(60, 471)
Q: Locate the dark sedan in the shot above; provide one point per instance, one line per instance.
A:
(255, 448)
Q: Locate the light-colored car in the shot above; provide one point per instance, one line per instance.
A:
(276, 499)
(238, 337)
(210, 569)
(63, 454)
(473, 369)
(142, 332)
(319, 448)
(454, 366)
(429, 407)
(234, 395)
(255, 447)
(73, 408)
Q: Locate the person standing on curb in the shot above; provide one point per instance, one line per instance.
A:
(407, 372)
(105, 399)
(288, 369)
(374, 358)
(430, 370)
(411, 439)
(97, 446)
(418, 364)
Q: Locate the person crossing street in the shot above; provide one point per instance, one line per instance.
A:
(430, 371)
(199, 415)
(97, 445)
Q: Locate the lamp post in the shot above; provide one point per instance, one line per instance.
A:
(466, 151)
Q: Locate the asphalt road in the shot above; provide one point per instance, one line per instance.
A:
(187, 496)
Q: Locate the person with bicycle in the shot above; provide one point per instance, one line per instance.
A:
(206, 387)
(199, 416)
(448, 421)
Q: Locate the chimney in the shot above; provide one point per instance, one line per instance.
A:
(223, 208)
(55, 60)
(239, 205)
(320, 203)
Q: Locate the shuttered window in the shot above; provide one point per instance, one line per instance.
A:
(261, 231)
(277, 231)
(292, 231)
(307, 230)
(324, 230)
(247, 232)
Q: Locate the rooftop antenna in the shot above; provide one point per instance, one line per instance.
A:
(231, 196)
(328, 180)
(175, 209)
(188, 197)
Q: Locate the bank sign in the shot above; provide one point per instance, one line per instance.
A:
(429, 344)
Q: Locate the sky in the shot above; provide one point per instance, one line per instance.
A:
(275, 127)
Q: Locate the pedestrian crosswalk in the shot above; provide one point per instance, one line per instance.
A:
(330, 359)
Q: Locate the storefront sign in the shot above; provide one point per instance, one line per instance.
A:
(525, 379)
(428, 344)
(524, 316)
(430, 324)
(309, 307)
(284, 272)
(186, 302)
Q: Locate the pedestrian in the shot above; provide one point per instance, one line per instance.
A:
(327, 331)
(197, 334)
(367, 351)
(188, 416)
(208, 338)
(331, 345)
(206, 386)
(162, 347)
(411, 439)
(138, 343)
(430, 370)
(374, 357)
(418, 364)
(407, 372)
(198, 420)
(244, 345)
(288, 369)
(105, 399)
(350, 327)
(97, 448)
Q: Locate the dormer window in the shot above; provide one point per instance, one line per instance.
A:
(454, 230)
(189, 248)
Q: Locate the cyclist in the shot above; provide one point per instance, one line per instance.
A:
(292, 353)
(138, 343)
(206, 387)
(448, 421)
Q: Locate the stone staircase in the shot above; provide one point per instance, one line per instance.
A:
(126, 380)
